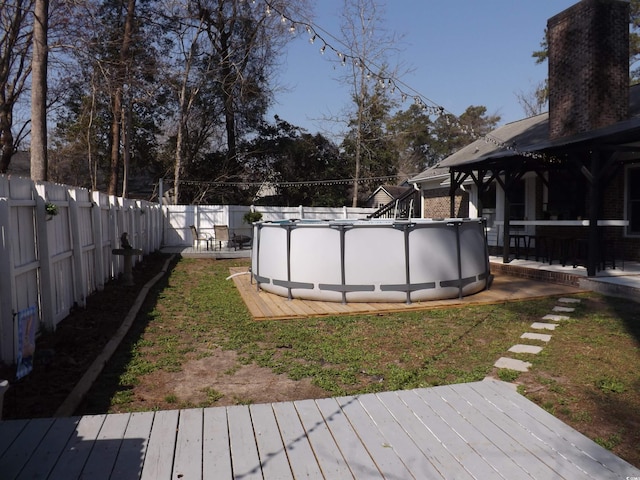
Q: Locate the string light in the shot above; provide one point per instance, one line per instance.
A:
(308, 183)
(393, 84)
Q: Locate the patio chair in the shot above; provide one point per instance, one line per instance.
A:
(221, 234)
(199, 238)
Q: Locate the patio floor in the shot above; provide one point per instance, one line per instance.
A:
(481, 430)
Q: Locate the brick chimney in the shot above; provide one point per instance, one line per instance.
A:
(588, 66)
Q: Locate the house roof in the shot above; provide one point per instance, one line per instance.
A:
(531, 135)
(433, 173)
(394, 191)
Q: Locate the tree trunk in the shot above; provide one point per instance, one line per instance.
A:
(39, 162)
(116, 127)
(115, 142)
(6, 138)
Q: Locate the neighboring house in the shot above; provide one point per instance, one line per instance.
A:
(384, 194)
(435, 183)
(395, 201)
(568, 181)
(20, 165)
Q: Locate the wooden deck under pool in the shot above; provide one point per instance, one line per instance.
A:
(504, 288)
(482, 430)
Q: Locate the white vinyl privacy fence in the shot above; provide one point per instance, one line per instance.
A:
(179, 218)
(53, 262)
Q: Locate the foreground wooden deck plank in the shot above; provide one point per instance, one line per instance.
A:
(50, 448)
(188, 456)
(431, 446)
(581, 454)
(273, 458)
(216, 462)
(245, 458)
(326, 451)
(475, 430)
(158, 461)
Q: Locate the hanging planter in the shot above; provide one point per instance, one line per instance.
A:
(51, 210)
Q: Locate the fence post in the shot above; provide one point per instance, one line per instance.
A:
(6, 291)
(96, 225)
(47, 283)
(80, 291)
(114, 233)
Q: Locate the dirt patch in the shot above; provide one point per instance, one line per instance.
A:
(221, 376)
(62, 358)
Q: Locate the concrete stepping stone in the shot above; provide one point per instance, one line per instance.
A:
(569, 300)
(512, 364)
(519, 348)
(556, 318)
(544, 326)
(536, 336)
(564, 309)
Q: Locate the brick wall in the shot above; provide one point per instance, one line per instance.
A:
(588, 66)
(437, 203)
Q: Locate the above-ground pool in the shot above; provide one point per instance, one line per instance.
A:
(371, 260)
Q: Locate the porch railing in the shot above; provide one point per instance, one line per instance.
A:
(403, 207)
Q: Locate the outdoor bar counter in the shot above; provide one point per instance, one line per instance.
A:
(559, 245)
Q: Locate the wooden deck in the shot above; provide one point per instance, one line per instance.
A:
(505, 288)
(482, 430)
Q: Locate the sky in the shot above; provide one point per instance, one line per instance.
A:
(458, 52)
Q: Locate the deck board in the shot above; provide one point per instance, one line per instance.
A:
(475, 430)
(105, 451)
(245, 457)
(188, 456)
(273, 458)
(347, 440)
(216, 462)
(387, 459)
(268, 306)
(50, 448)
(76, 452)
(423, 436)
(328, 455)
(302, 461)
(27, 440)
(520, 453)
(158, 462)
(134, 443)
(397, 437)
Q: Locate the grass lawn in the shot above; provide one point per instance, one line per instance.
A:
(587, 375)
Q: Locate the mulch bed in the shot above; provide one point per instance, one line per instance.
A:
(62, 357)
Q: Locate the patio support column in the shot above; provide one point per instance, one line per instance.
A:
(452, 194)
(593, 250)
(506, 235)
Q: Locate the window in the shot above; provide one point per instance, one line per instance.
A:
(633, 200)
(517, 197)
(567, 194)
(488, 197)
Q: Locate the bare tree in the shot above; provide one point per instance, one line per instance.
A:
(16, 30)
(117, 105)
(370, 47)
(535, 101)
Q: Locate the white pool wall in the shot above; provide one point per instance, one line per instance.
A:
(371, 261)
